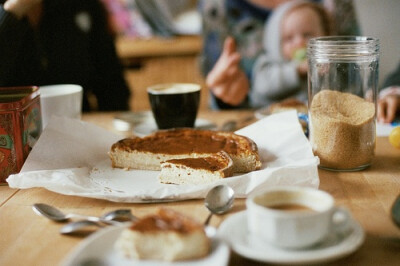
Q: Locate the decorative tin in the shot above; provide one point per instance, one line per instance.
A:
(20, 127)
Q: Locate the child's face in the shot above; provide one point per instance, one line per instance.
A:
(297, 27)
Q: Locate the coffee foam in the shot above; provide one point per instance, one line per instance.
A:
(174, 88)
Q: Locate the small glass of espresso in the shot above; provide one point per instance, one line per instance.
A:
(174, 105)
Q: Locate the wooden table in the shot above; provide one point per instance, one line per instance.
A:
(128, 47)
(160, 60)
(27, 239)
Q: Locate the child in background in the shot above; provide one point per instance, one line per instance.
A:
(281, 71)
(232, 36)
(233, 33)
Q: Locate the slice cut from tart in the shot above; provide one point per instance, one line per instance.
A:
(196, 171)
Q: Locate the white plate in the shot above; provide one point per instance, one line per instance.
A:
(98, 249)
(127, 120)
(143, 123)
(335, 246)
(261, 113)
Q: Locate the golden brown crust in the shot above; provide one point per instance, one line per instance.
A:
(149, 152)
(166, 220)
(187, 141)
(164, 236)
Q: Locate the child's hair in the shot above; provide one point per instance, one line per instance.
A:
(323, 14)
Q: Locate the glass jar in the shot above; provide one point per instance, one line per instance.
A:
(342, 96)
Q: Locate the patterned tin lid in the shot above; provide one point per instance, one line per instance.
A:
(15, 98)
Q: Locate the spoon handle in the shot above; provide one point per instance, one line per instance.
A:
(84, 217)
(111, 222)
(95, 219)
(208, 219)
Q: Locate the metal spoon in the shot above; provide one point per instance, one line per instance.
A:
(54, 214)
(232, 125)
(229, 125)
(83, 227)
(396, 211)
(219, 200)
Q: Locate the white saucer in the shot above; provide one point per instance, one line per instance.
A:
(143, 123)
(234, 231)
(127, 120)
(261, 113)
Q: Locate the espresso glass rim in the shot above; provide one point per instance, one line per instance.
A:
(158, 89)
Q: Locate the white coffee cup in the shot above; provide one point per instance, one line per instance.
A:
(60, 100)
(294, 217)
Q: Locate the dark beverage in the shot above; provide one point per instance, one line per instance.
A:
(290, 207)
(174, 105)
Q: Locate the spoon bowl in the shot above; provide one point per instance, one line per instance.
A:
(49, 212)
(120, 215)
(83, 227)
(219, 200)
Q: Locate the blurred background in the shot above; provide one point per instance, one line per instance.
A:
(160, 41)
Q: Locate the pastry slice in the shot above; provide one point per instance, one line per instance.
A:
(196, 171)
(165, 236)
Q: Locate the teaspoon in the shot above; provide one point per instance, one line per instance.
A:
(219, 200)
(55, 214)
(232, 125)
(82, 227)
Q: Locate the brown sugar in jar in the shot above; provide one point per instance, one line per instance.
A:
(342, 130)
(342, 97)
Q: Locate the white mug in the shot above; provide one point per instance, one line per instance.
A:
(293, 217)
(60, 100)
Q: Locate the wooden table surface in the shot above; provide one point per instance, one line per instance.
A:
(128, 47)
(28, 239)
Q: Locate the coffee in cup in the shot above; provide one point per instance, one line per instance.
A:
(294, 217)
(174, 105)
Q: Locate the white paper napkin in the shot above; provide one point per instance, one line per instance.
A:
(71, 157)
(383, 130)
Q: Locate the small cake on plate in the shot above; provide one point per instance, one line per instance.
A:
(165, 236)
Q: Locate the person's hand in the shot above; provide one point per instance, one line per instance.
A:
(302, 69)
(387, 108)
(227, 80)
(21, 8)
